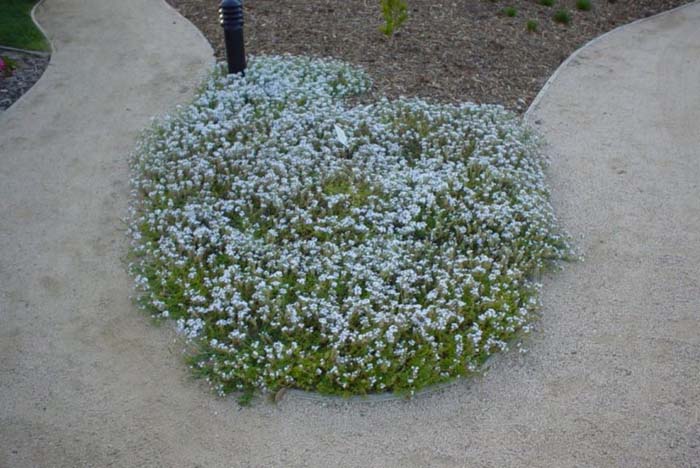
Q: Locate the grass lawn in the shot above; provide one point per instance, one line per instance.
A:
(17, 28)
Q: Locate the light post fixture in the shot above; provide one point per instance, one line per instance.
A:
(231, 16)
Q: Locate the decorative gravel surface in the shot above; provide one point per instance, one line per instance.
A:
(29, 69)
(311, 244)
(450, 50)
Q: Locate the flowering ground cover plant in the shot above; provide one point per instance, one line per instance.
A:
(303, 242)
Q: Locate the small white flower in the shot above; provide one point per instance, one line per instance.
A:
(340, 135)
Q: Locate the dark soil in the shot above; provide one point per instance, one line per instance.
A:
(29, 69)
(466, 50)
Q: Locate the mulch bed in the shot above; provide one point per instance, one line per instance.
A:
(448, 50)
(29, 69)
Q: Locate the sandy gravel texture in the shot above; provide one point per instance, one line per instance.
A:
(611, 379)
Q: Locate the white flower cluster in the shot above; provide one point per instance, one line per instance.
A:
(315, 245)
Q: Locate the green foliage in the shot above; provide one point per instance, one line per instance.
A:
(548, 3)
(392, 252)
(395, 13)
(562, 16)
(17, 28)
(532, 26)
(510, 12)
(584, 5)
(7, 66)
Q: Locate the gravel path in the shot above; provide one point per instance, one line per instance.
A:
(611, 378)
(29, 69)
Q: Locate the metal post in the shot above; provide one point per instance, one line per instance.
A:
(231, 16)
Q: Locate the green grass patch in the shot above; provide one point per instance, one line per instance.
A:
(562, 17)
(584, 5)
(510, 12)
(17, 28)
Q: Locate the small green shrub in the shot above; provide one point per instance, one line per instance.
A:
(395, 13)
(7, 66)
(548, 3)
(532, 26)
(584, 5)
(562, 16)
(510, 12)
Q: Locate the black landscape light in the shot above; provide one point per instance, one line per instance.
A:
(231, 15)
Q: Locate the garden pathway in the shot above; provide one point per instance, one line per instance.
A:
(612, 376)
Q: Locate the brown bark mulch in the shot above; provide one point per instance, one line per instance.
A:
(448, 50)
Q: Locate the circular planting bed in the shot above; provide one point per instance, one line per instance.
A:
(303, 242)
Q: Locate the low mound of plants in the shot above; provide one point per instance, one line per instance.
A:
(304, 242)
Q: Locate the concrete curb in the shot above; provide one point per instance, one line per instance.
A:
(26, 51)
(577, 52)
(39, 27)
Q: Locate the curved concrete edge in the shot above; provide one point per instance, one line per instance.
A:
(32, 14)
(595, 40)
(26, 51)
